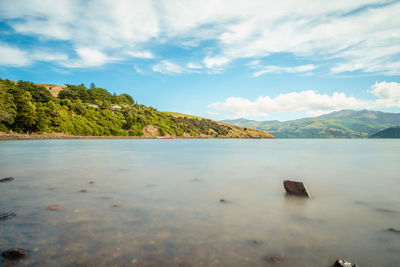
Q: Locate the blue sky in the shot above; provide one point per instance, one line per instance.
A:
(261, 60)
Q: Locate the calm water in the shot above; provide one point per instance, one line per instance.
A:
(156, 202)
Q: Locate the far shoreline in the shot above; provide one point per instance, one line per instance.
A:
(6, 137)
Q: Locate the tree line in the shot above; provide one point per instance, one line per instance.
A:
(26, 107)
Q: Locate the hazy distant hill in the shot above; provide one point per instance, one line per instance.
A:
(339, 124)
(392, 132)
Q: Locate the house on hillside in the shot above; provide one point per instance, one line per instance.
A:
(115, 107)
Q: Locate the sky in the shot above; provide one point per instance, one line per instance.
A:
(264, 60)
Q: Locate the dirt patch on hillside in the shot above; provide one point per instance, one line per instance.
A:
(53, 88)
(151, 131)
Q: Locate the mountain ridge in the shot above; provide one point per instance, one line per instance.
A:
(345, 123)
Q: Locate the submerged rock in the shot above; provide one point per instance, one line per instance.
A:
(344, 263)
(14, 253)
(7, 179)
(83, 191)
(91, 182)
(7, 215)
(393, 230)
(254, 242)
(55, 207)
(295, 188)
(274, 258)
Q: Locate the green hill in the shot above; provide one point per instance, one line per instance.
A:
(392, 132)
(339, 124)
(26, 107)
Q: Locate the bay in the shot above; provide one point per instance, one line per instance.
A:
(157, 202)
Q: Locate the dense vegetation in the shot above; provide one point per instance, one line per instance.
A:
(340, 124)
(392, 132)
(26, 107)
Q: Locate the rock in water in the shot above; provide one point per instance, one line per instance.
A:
(274, 258)
(55, 207)
(8, 179)
(344, 263)
(295, 188)
(7, 215)
(14, 253)
(393, 230)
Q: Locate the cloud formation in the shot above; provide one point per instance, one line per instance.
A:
(13, 56)
(167, 67)
(388, 95)
(280, 69)
(220, 32)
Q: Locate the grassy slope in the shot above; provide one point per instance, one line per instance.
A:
(392, 132)
(234, 130)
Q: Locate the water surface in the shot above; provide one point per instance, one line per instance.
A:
(157, 202)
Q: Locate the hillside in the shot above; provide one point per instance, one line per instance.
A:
(75, 110)
(392, 132)
(339, 124)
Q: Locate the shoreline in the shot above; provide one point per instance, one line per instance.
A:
(6, 137)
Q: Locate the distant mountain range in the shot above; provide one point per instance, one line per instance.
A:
(338, 124)
(392, 132)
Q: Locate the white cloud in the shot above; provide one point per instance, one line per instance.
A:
(141, 54)
(386, 90)
(388, 95)
(329, 31)
(195, 66)
(212, 113)
(12, 56)
(280, 69)
(48, 56)
(139, 70)
(216, 62)
(88, 57)
(167, 67)
(316, 113)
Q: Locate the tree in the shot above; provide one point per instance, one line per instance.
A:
(74, 92)
(39, 93)
(7, 106)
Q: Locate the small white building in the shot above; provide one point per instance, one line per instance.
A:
(114, 107)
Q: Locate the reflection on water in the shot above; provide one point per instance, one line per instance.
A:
(157, 202)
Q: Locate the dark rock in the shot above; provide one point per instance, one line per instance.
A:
(7, 179)
(344, 263)
(385, 210)
(255, 243)
(14, 253)
(116, 206)
(91, 182)
(55, 207)
(7, 215)
(295, 188)
(274, 258)
(83, 191)
(223, 200)
(393, 230)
